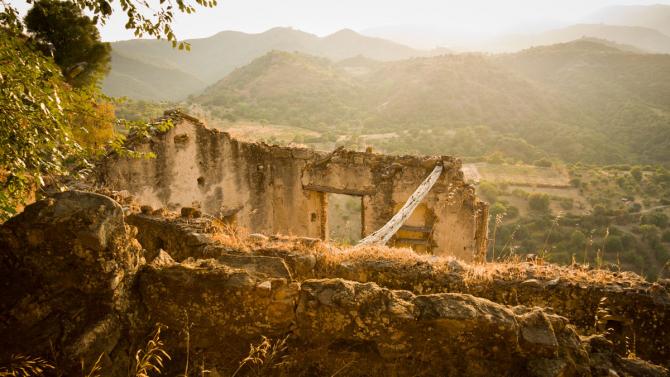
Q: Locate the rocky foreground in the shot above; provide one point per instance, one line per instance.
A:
(85, 278)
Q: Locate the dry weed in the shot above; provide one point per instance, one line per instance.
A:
(25, 366)
(96, 369)
(263, 356)
(150, 359)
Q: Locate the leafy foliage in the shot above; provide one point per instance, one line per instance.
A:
(34, 128)
(74, 38)
(141, 17)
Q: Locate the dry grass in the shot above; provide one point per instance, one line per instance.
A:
(25, 366)
(263, 357)
(230, 235)
(507, 267)
(151, 358)
(96, 369)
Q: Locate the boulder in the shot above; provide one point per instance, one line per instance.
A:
(66, 262)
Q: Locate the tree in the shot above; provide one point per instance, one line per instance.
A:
(489, 191)
(73, 39)
(578, 240)
(35, 138)
(497, 209)
(650, 234)
(539, 202)
(154, 20)
(38, 109)
(543, 163)
(613, 244)
(659, 219)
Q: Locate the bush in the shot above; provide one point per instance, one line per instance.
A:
(543, 163)
(577, 240)
(666, 236)
(659, 219)
(633, 258)
(489, 191)
(650, 234)
(512, 212)
(496, 209)
(613, 244)
(661, 253)
(539, 202)
(519, 193)
(567, 204)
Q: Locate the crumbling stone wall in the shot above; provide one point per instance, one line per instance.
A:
(272, 189)
(636, 311)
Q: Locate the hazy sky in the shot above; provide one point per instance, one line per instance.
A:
(322, 17)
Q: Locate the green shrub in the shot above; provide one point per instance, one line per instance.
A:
(539, 202)
(543, 163)
(512, 212)
(613, 244)
(666, 236)
(659, 219)
(489, 191)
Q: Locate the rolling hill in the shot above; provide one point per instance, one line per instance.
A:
(286, 88)
(210, 59)
(584, 100)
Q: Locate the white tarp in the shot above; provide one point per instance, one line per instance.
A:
(384, 234)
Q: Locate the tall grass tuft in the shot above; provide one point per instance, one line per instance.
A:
(25, 366)
(263, 356)
(150, 359)
(96, 369)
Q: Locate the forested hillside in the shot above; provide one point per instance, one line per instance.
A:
(581, 101)
(147, 81)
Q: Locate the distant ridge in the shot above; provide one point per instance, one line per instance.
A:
(649, 16)
(212, 58)
(646, 39)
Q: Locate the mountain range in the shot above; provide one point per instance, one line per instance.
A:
(210, 59)
(153, 70)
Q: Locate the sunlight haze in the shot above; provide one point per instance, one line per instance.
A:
(477, 18)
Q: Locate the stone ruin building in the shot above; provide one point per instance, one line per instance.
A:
(284, 190)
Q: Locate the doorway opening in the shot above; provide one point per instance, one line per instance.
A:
(416, 231)
(345, 218)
